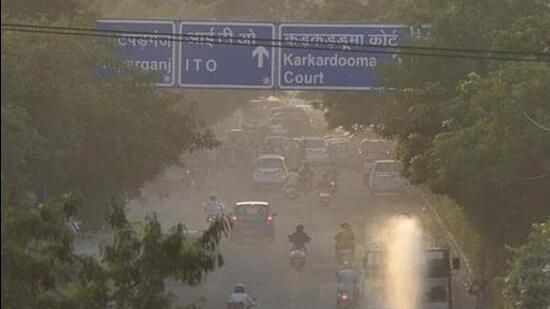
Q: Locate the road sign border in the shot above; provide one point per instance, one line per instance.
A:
(180, 84)
(315, 25)
(151, 21)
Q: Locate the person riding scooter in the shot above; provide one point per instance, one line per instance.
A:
(239, 299)
(348, 286)
(214, 208)
(299, 238)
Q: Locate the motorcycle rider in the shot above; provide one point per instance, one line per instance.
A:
(306, 175)
(239, 299)
(214, 206)
(299, 238)
(345, 238)
(348, 280)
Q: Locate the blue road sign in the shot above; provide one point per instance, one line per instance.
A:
(154, 54)
(327, 56)
(226, 55)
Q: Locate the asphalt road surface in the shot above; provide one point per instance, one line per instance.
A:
(264, 267)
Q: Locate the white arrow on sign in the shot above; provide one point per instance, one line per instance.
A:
(260, 52)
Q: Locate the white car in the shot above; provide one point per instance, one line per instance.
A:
(270, 171)
(315, 150)
(385, 177)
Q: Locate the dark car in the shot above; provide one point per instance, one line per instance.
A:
(252, 219)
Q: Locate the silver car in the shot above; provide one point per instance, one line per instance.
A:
(270, 171)
(385, 177)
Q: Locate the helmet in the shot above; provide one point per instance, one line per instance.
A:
(299, 227)
(213, 198)
(240, 288)
(345, 225)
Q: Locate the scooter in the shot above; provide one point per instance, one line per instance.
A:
(345, 300)
(324, 198)
(241, 305)
(211, 217)
(298, 258)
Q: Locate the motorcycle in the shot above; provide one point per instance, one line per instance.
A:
(240, 305)
(298, 258)
(291, 192)
(345, 300)
(211, 217)
(324, 198)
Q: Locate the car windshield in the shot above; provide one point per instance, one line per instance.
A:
(251, 210)
(388, 167)
(314, 143)
(270, 163)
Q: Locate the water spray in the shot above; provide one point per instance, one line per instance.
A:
(404, 267)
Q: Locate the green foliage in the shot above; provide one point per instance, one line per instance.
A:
(528, 282)
(41, 270)
(469, 129)
(461, 227)
(65, 129)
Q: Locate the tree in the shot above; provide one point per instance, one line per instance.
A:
(63, 128)
(41, 270)
(470, 129)
(527, 284)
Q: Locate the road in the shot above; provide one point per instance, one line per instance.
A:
(264, 268)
